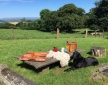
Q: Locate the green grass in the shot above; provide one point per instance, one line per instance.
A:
(10, 48)
(55, 76)
(7, 34)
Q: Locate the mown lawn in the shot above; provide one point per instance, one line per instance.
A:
(55, 76)
(9, 34)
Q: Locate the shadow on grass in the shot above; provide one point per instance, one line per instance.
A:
(89, 53)
(45, 68)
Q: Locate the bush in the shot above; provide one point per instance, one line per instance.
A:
(94, 27)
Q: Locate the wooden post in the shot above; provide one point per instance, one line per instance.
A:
(95, 34)
(86, 33)
(58, 33)
(103, 34)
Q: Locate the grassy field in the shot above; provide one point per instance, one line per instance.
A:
(8, 34)
(55, 76)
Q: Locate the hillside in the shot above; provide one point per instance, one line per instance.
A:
(17, 19)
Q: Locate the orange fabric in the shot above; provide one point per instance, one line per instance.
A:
(37, 56)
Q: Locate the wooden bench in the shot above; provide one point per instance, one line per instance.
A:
(46, 64)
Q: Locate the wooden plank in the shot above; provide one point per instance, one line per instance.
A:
(38, 65)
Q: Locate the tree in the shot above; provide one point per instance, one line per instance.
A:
(66, 18)
(44, 13)
(101, 8)
(7, 25)
(80, 11)
(70, 17)
(100, 13)
(40, 25)
(67, 9)
(22, 24)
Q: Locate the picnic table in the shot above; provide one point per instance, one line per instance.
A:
(45, 65)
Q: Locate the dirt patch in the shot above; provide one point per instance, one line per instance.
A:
(59, 70)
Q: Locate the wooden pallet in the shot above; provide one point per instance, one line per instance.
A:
(46, 64)
(38, 65)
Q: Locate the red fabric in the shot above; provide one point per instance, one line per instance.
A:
(55, 49)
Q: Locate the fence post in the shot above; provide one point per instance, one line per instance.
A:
(86, 33)
(58, 32)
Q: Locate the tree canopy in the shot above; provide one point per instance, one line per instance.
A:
(99, 15)
(66, 18)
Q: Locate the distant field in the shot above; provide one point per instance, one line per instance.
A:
(14, 23)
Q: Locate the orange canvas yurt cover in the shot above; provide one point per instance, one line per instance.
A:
(36, 56)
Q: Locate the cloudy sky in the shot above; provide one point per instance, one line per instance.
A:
(32, 8)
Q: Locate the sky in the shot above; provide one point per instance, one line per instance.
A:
(32, 8)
